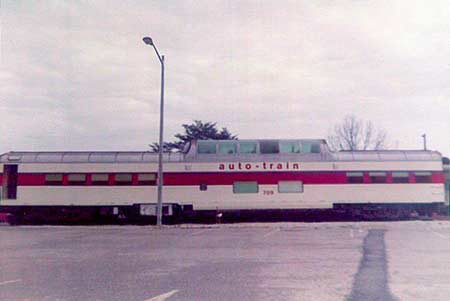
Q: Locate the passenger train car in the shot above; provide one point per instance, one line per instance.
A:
(240, 178)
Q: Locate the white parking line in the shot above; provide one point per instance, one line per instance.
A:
(271, 232)
(10, 281)
(440, 235)
(199, 232)
(163, 296)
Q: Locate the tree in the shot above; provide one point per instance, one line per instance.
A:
(355, 134)
(193, 131)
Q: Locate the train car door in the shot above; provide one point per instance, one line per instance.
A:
(9, 182)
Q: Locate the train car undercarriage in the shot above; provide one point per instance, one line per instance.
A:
(145, 214)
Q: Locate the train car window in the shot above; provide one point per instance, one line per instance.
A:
(315, 148)
(269, 147)
(76, 179)
(100, 179)
(355, 177)
(227, 148)
(54, 179)
(310, 147)
(206, 147)
(400, 177)
(102, 157)
(128, 157)
(203, 187)
(366, 156)
(378, 177)
(248, 147)
(289, 147)
(146, 178)
(49, 157)
(245, 187)
(290, 186)
(423, 177)
(123, 179)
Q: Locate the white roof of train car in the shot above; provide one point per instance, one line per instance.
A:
(87, 157)
(191, 155)
(141, 157)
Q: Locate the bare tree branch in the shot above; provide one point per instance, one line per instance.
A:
(354, 134)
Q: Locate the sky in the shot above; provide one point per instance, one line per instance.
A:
(75, 75)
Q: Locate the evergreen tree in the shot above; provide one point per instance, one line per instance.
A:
(197, 130)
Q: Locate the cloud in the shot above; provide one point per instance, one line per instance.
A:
(76, 75)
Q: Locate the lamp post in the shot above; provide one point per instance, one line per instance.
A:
(149, 41)
(424, 136)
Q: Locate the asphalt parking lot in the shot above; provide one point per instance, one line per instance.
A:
(279, 261)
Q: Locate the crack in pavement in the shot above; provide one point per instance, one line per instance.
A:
(371, 280)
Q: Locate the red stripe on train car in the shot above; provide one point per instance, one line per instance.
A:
(227, 178)
(219, 178)
(31, 179)
(438, 177)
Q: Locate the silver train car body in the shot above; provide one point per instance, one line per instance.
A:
(212, 176)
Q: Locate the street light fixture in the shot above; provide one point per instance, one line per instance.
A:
(149, 41)
(424, 136)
